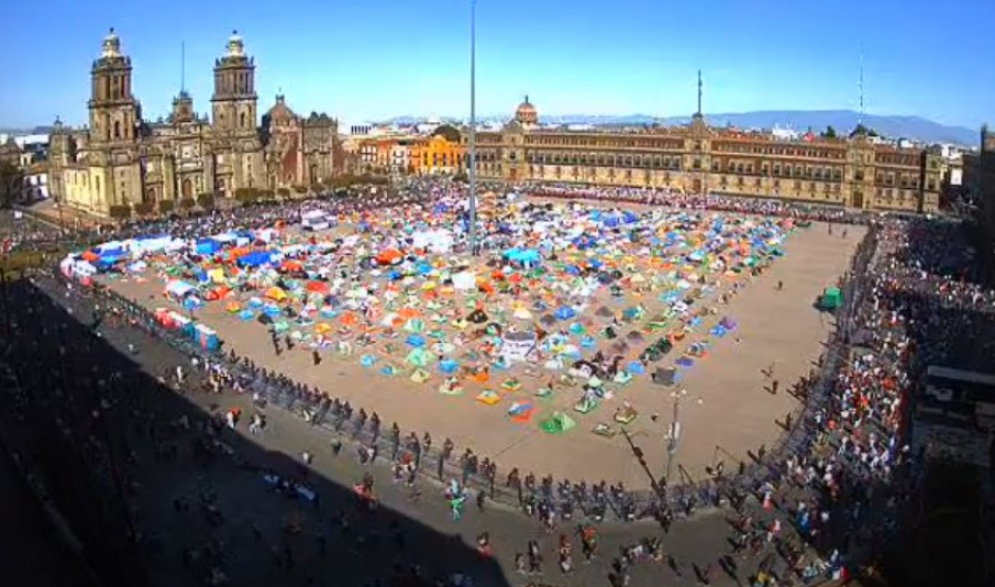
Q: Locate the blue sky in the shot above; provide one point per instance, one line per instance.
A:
(372, 59)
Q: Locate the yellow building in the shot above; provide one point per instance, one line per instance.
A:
(697, 158)
(437, 155)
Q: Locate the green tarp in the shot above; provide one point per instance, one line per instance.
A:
(558, 423)
(831, 299)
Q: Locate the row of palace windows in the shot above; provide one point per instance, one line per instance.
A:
(896, 159)
(888, 179)
(782, 150)
(798, 185)
(606, 143)
(893, 194)
(604, 160)
(780, 170)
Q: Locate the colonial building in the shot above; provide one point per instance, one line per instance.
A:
(697, 158)
(121, 160)
(979, 180)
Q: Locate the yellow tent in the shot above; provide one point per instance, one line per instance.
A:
(276, 294)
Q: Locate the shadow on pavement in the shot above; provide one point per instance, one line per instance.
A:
(158, 492)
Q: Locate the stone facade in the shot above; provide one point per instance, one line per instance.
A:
(697, 158)
(122, 160)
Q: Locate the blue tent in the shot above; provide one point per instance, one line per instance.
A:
(208, 246)
(255, 259)
(523, 256)
(564, 313)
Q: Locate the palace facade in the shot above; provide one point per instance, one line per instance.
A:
(697, 158)
(120, 160)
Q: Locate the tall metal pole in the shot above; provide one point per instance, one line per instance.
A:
(675, 435)
(472, 172)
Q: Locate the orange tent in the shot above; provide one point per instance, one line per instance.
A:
(317, 287)
(389, 257)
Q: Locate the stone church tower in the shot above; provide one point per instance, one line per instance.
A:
(115, 114)
(238, 159)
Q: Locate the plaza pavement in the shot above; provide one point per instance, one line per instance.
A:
(244, 500)
(728, 410)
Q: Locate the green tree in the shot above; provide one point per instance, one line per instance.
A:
(829, 133)
(166, 206)
(143, 208)
(206, 201)
(187, 203)
(861, 130)
(120, 212)
(448, 132)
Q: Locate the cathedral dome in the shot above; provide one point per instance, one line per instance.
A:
(526, 113)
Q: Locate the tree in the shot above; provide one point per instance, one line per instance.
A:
(11, 182)
(120, 212)
(448, 132)
(283, 192)
(206, 200)
(187, 203)
(861, 130)
(166, 206)
(829, 133)
(143, 208)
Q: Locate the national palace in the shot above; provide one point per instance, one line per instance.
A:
(697, 158)
(121, 160)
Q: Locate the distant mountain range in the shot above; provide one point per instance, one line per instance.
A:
(896, 127)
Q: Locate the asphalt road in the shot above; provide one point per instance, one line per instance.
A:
(354, 556)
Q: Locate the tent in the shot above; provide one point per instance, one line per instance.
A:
(390, 257)
(831, 299)
(558, 423)
(255, 259)
(179, 289)
(488, 397)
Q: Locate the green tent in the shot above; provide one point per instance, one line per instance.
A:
(419, 358)
(831, 299)
(558, 423)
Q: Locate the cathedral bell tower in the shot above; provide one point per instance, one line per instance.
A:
(114, 112)
(233, 105)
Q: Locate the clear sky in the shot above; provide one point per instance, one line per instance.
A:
(372, 59)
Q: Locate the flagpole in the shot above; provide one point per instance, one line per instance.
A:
(472, 172)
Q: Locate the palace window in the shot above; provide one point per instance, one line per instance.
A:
(696, 164)
(740, 181)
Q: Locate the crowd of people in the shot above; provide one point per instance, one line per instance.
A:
(822, 506)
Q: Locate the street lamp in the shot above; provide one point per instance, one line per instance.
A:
(675, 431)
(472, 146)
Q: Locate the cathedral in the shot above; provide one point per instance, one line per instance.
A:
(120, 160)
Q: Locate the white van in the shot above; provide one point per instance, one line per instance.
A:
(315, 220)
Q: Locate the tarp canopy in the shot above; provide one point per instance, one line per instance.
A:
(558, 423)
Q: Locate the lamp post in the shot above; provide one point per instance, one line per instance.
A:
(675, 432)
(472, 146)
